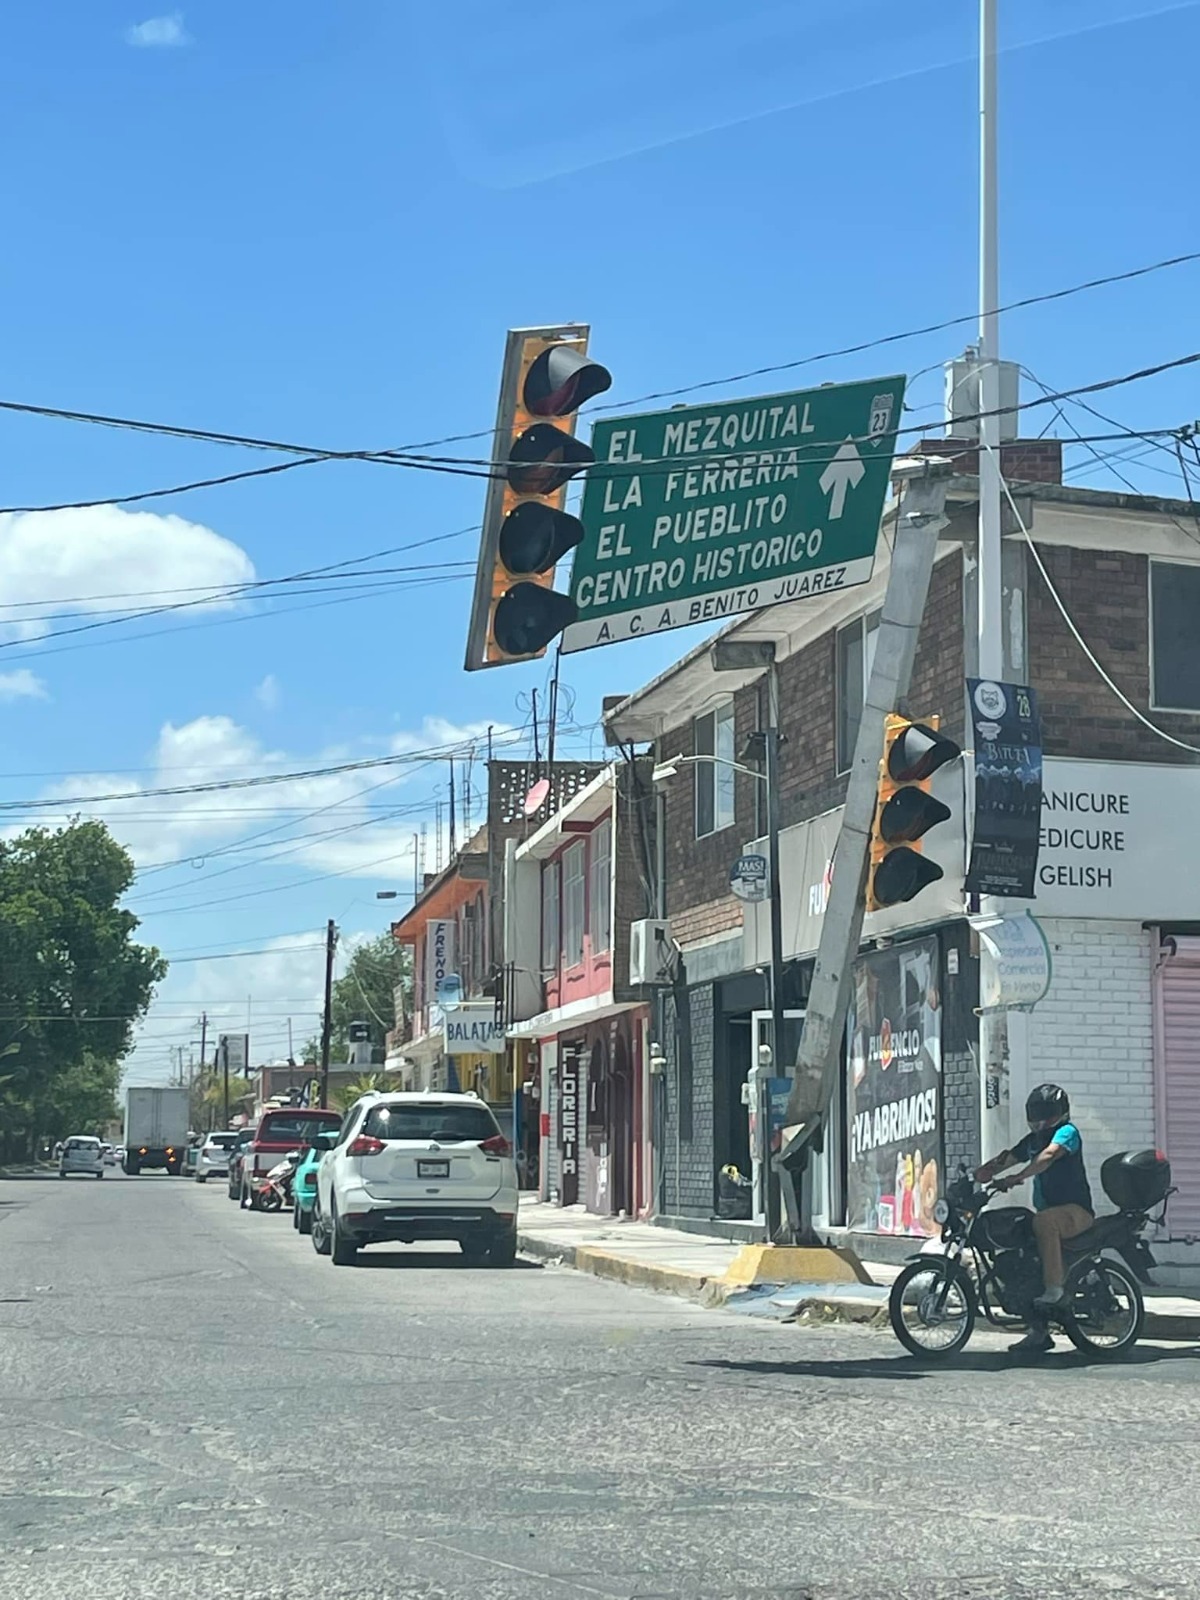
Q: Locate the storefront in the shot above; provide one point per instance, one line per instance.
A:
(591, 1114)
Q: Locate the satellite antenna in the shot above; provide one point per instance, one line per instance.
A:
(536, 797)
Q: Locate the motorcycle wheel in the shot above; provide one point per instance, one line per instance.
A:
(270, 1200)
(1107, 1312)
(921, 1327)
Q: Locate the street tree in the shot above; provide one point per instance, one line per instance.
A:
(73, 980)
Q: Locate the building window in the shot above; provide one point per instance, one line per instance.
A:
(855, 653)
(600, 898)
(1174, 642)
(550, 917)
(574, 861)
(714, 778)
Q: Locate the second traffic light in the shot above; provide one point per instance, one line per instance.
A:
(516, 610)
(906, 811)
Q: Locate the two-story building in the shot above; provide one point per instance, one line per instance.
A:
(574, 888)
(1101, 592)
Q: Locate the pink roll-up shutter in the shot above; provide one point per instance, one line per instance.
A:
(1177, 1045)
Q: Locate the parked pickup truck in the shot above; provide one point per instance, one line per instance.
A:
(280, 1131)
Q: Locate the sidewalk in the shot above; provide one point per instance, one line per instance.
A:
(697, 1268)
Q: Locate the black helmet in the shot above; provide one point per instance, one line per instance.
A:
(1046, 1107)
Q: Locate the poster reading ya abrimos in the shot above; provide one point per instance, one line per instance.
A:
(894, 1090)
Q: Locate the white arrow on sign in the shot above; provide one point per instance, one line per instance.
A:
(845, 471)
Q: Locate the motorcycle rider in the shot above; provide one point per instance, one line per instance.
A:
(1052, 1155)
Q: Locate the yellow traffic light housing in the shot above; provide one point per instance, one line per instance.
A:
(516, 610)
(906, 810)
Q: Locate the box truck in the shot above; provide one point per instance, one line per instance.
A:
(156, 1129)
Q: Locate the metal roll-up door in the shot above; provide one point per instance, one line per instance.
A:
(1178, 1016)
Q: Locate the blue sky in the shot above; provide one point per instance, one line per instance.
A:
(314, 222)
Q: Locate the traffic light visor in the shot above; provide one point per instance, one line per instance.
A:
(562, 379)
(902, 875)
(534, 536)
(545, 459)
(528, 617)
(909, 814)
(917, 751)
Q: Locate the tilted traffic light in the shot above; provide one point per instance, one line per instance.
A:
(906, 810)
(517, 611)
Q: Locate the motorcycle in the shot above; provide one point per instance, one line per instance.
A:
(990, 1264)
(276, 1191)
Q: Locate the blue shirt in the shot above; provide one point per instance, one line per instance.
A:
(1064, 1182)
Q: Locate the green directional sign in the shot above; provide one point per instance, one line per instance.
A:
(701, 512)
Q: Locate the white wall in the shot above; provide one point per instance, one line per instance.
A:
(1093, 1033)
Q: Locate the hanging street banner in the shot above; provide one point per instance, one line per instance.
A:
(1008, 789)
(701, 512)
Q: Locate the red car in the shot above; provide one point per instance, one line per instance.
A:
(280, 1131)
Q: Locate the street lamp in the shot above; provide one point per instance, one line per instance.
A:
(758, 653)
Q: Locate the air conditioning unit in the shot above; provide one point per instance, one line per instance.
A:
(651, 951)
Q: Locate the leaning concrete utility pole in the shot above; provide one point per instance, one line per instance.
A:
(919, 520)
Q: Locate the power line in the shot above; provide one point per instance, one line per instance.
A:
(409, 455)
(1153, 727)
(369, 592)
(370, 763)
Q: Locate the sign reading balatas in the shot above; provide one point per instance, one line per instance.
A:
(705, 511)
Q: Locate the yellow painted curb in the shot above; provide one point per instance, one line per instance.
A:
(638, 1274)
(776, 1263)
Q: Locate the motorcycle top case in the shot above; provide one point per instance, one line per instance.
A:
(1135, 1180)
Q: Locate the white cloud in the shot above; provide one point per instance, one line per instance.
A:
(439, 731)
(104, 558)
(159, 33)
(267, 693)
(22, 685)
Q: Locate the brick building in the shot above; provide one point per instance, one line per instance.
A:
(1118, 904)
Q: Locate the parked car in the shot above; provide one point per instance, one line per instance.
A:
(237, 1154)
(281, 1129)
(119, 1155)
(187, 1163)
(418, 1166)
(212, 1157)
(108, 1155)
(82, 1153)
(304, 1184)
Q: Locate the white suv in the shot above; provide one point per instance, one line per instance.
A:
(212, 1160)
(418, 1166)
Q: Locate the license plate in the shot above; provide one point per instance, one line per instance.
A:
(433, 1169)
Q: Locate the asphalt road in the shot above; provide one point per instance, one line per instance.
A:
(193, 1403)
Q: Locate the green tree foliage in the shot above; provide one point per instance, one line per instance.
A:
(73, 982)
(365, 1083)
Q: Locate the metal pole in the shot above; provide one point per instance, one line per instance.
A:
(771, 736)
(920, 519)
(990, 582)
(225, 1066)
(203, 1061)
(327, 1013)
(993, 1130)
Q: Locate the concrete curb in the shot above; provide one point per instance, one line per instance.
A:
(809, 1309)
(623, 1269)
